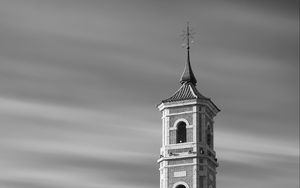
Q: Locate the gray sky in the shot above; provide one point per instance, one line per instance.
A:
(80, 81)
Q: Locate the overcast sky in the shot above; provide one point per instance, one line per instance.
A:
(80, 81)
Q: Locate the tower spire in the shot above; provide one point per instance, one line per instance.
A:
(188, 75)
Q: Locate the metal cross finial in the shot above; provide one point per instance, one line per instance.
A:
(187, 35)
(188, 75)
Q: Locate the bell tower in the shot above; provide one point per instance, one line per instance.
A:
(187, 156)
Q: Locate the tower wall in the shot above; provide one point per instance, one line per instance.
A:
(193, 162)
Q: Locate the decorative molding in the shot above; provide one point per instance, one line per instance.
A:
(179, 174)
(180, 183)
(179, 120)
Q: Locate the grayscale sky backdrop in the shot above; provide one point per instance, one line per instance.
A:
(80, 81)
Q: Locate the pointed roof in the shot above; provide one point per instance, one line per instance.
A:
(187, 91)
(188, 81)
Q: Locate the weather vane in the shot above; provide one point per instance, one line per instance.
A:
(188, 36)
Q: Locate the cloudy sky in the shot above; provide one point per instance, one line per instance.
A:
(80, 81)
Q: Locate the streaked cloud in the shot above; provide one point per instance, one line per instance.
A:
(80, 81)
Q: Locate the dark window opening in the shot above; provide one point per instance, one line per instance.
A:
(181, 133)
(209, 139)
(209, 136)
(180, 186)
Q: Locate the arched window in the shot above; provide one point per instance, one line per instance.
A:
(209, 136)
(181, 133)
(180, 186)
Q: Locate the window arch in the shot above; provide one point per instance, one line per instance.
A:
(181, 132)
(180, 184)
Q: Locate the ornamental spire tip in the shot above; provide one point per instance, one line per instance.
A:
(188, 75)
